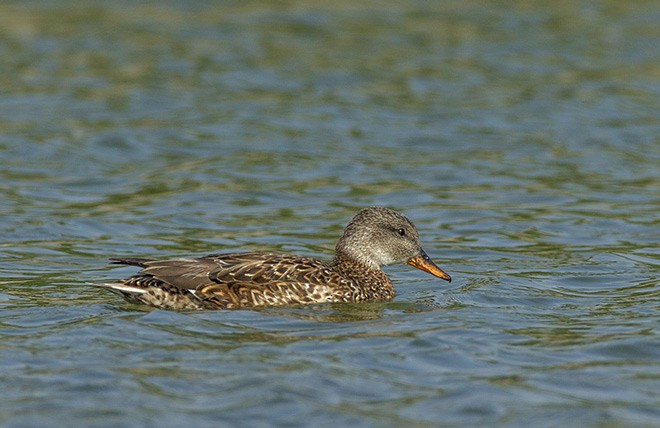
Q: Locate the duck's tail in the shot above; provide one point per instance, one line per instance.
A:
(133, 261)
(123, 290)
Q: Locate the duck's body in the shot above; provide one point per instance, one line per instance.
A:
(375, 237)
(228, 281)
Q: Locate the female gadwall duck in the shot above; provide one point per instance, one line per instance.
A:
(375, 237)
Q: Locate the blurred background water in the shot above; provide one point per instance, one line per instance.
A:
(522, 138)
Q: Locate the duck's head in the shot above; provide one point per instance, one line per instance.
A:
(379, 236)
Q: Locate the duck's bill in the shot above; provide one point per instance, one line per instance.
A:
(424, 262)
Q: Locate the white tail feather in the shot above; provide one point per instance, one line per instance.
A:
(121, 288)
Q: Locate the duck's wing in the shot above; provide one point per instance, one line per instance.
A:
(255, 279)
(264, 268)
(182, 274)
(254, 269)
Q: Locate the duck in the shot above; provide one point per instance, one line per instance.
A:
(374, 237)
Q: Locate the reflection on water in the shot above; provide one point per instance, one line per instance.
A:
(521, 138)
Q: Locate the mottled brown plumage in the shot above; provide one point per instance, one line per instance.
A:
(375, 237)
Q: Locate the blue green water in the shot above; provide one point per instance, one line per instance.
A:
(523, 139)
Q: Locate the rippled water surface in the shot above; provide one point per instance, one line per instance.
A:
(522, 137)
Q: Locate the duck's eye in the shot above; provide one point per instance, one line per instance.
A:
(401, 232)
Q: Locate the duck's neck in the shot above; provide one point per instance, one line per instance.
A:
(368, 282)
(343, 261)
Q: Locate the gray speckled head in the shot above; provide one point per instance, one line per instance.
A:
(379, 236)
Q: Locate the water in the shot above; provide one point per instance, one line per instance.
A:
(521, 137)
